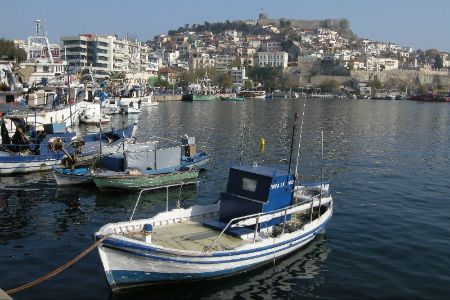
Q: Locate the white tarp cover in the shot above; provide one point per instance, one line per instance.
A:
(149, 159)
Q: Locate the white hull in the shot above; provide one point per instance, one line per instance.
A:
(68, 115)
(95, 120)
(129, 262)
(7, 168)
(70, 180)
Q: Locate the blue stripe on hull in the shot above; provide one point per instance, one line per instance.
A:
(120, 279)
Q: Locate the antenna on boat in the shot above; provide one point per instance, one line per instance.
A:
(300, 141)
(292, 146)
(321, 175)
(242, 145)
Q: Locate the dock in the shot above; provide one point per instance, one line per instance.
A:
(4, 296)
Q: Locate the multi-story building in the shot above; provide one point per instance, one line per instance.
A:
(201, 61)
(105, 53)
(381, 64)
(273, 59)
(238, 76)
(223, 62)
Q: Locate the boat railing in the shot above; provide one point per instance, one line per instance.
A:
(259, 218)
(180, 184)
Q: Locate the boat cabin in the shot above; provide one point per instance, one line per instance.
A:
(253, 190)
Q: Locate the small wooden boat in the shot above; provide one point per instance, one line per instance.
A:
(257, 220)
(135, 180)
(139, 158)
(69, 177)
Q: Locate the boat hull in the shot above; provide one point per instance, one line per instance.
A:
(129, 265)
(30, 166)
(67, 177)
(138, 182)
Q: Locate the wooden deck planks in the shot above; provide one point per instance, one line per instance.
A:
(193, 237)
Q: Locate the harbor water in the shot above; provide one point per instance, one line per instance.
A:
(388, 162)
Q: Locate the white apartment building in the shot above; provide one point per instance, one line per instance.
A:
(105, 54)
(273, 59)
(238, 76)
(381, 64)
(223, 62)
(201, 61)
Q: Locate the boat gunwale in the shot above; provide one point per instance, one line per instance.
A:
(173, 251)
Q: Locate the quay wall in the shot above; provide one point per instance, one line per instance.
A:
(163, 98)
(316, 80)
(410, 77)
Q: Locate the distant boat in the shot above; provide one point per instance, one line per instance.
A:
(233, 98)
(92, 115)
(430, 97)
(258, 94)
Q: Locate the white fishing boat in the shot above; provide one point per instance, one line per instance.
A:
(258, 220)
(92, 115)
(148, 101)
(132, 108)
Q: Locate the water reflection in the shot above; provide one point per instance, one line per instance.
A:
(150, 202)
(294, 277)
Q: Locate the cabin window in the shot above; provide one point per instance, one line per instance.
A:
(249, 184)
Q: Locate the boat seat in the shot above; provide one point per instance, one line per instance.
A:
(235, 231)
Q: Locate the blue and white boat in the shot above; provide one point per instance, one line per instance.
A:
(35, 155)
(260, 218)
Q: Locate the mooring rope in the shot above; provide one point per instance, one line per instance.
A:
(57, 270)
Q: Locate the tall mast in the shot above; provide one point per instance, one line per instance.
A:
(300, 140)
(292, 146)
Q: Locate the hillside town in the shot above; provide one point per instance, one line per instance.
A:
(322, 56)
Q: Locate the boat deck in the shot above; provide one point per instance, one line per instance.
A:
(193, 236)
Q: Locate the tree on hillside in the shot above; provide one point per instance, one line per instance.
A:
(431, 53)
(438, 62)
(285, 23)
(224, 80)
(329, 86)
(268, 76)
(344, 24)
(376, 84)
(10, 51)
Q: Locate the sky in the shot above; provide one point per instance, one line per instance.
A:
(413, 23)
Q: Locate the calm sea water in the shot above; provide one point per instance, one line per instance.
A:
(388, 162)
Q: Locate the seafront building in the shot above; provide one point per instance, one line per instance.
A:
(273, 59)
(104, 54)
